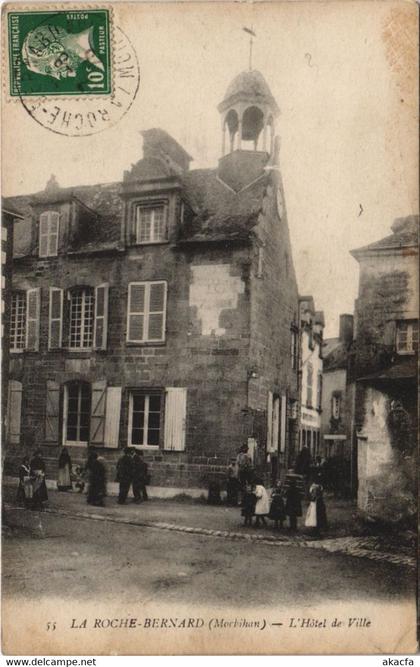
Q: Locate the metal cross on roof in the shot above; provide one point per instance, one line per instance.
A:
(251, 34)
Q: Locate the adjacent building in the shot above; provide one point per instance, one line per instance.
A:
(310, 367)
(161, 312)
(8, 219)
(383, 373)
(335, 417)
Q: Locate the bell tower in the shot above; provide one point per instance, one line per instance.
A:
(248, 112)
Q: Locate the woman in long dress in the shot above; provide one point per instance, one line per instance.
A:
(64, 470)
(97, 480)
(24, 492)
(316, 516)
(37, 469)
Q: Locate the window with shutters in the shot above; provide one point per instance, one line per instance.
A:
(309, 382)
(407, 336)
(77, 408)
(319, 391)
(48, 233)
(146, 312)
(145, 419)
(151, 224)
(82, 315)
(18, 321)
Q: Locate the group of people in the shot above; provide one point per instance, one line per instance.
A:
(132, 471)
(246, 488)
(285, 502)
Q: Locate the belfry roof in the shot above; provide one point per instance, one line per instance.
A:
(249, 86)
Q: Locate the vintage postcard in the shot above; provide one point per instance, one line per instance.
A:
(209, 327)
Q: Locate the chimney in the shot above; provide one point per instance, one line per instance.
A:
(346, 329)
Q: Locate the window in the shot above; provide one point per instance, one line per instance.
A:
(407, 336)
(309, 381)
(146, 312)
(24, 320)
(48, 233)
(77, 405)
(319, 391)
(151, 224)
(18, 321)
(145, 413)
(336, 407)
(81, 318)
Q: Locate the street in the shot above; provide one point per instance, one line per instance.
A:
(48, 554)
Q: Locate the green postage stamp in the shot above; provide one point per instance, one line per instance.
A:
(62, 52)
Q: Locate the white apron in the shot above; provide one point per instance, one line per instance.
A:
(310, 520)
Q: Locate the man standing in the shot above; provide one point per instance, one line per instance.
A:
(124, 475)
(140, 477)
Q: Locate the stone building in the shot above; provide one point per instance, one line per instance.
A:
(9, 216)
(335, 417)
(383, 373)
(311, 363)
(161, 312)
(334, 420)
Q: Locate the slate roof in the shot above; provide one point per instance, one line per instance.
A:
(102, 199)
(335, 355)
(403, 370)
(405, 234)
(249, 85)
(217, 213)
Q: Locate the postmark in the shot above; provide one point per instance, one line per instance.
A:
(75, 116)
(59, 53)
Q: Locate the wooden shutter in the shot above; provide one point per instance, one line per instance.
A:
(101, 316)
(156, 312)
(52, 411)
(14, 412)
(270, 421)
(283, 423)
(112, 416)
(135, 312)
(53, 233)
(44, 224)
(276, 425)
(33, 298)
(55, 324)
(175, 418)
(390, 332)
(97, 417)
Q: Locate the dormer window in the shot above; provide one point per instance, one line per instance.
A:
(151, 223)
(48, 233)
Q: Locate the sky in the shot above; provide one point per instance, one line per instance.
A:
(344, 77)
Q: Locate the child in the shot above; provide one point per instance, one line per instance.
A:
(248, 504)
(262, 506)
(78, 477)
(277, 512)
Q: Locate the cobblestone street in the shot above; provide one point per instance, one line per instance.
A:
(222, 522)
